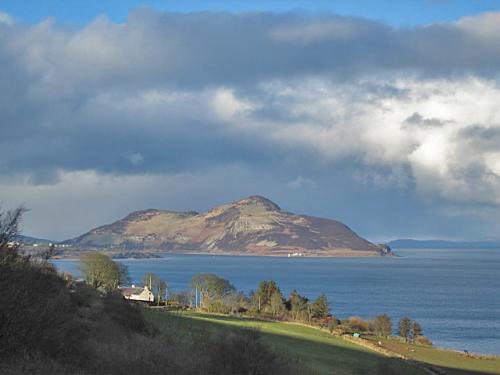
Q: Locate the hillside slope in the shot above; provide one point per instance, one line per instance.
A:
(252, 226)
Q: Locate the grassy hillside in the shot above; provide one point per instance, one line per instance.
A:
(323, 353)
(457, 362)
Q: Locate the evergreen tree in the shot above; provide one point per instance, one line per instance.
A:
(262, 296)
(320, 307)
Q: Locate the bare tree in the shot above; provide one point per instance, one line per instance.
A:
(382, 325)
(156, 286)
(10, 225)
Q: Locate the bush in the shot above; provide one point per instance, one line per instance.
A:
(50, 324)
(48, 328)
(35, 309)
(123, 313)
(243, 353)
(356, 324)
(423, 340)
(382, 325)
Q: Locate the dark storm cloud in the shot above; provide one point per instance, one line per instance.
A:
(419, 120)
(247, 103)
(222, 48)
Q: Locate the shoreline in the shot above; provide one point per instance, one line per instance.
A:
(226, 254)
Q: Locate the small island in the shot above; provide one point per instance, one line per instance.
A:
(253, 226)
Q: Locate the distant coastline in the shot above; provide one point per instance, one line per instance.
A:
(442, 244)
(152, 255)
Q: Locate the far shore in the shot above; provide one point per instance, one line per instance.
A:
(158, 255)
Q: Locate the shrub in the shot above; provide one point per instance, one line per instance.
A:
(423, 340)
(243, 353)
(382, 325)
(122, 312)
(35, 309)
(355, 323)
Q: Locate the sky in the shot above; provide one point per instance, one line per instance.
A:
(384, 115)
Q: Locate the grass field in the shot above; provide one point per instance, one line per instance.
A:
(445, 358)
(324, 353)
(319, 351)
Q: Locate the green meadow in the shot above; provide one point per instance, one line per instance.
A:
(323, 353)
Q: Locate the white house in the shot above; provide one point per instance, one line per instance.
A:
(138, 294)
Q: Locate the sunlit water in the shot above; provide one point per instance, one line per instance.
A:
(454, 294)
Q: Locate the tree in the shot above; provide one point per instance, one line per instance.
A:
(382, 325)
(196, 284)
(183, 298)
(156, 285)
(10, 222)
(276, 303)
(212, 291)
(261, 298)
(404, 328)
(298, 306)
(416, 330)
(35, 304)
(103, 273)
(148, 280)
(320, 307)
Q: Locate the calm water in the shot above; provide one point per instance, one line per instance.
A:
(454, 294)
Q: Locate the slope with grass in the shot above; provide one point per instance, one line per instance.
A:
(324, 353)
(319, 351)
(456, 362)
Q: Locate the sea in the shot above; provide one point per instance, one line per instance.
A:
(453, 293)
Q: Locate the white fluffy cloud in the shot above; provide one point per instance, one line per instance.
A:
(296, 98)
(407, 122)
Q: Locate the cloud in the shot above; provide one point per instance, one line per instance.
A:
(328, 29)
(288, 95)
(485, 27)
(418, 119)
(136, 159)
(81, 200)
(227, 106)
(301, 182)
(6, 19)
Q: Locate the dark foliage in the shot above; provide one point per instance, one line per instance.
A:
(51, 325)
(123, 313)
(35, 308)
(242, 353)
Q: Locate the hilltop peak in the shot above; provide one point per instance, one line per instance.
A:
(258, 201)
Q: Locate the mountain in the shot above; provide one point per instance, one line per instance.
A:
(251, 226)
(443, 244)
